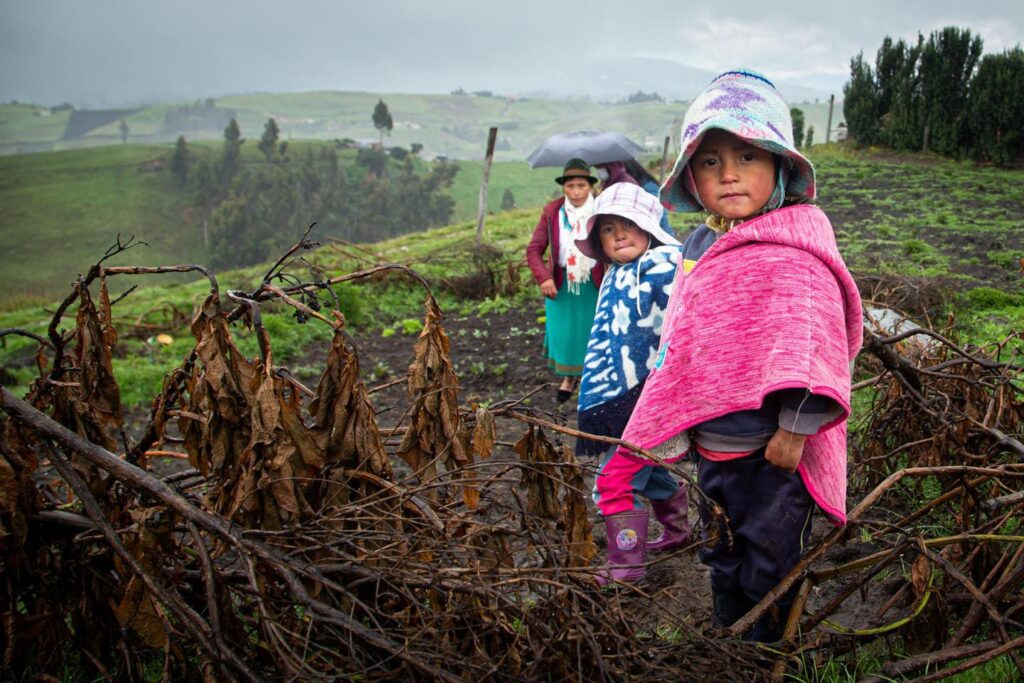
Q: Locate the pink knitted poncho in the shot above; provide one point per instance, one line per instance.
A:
(769, 306)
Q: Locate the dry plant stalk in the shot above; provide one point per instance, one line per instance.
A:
(435, 430)
(292, 551)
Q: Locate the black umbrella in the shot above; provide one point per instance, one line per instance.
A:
(593, 146)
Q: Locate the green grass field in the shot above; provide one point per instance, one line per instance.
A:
(952, 225)
(63, 209)
(452, 125)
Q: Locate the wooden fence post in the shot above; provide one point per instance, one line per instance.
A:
(664, 159)
(828, 128)
(492, 136)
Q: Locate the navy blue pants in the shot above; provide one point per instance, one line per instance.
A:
(769, 513)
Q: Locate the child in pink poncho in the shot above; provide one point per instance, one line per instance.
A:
(753, 373)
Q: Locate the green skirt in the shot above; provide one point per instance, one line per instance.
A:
(567, 330)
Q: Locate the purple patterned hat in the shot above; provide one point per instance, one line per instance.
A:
(746, 104)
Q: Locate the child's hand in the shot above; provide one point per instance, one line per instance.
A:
(785, 449)
(548, 289)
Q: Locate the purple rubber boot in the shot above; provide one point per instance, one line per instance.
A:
(627, 543)
(674, 517)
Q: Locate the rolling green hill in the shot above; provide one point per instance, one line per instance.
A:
(452, 125)
(58, 207)
(60, 211)
(940, 226)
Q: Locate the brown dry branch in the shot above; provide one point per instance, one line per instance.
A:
(402, 593)
(289, 548)
(940, 428)
(25, 333)
(302, 557)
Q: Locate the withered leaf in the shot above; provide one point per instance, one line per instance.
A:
(484, 433)
(920, 574)
(344, 424)
(435, 424)
(576, 522)
(138, 612)
(539, 477)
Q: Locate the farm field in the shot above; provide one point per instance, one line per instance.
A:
(922, 216)
(955, 226)
(127, 190)
(947, 233)
(451, 125)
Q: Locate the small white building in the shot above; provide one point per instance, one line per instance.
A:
(841, 132)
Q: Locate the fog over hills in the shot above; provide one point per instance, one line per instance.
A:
(614, 80)
(611, 80)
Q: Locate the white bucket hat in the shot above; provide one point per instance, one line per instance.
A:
(627, 201)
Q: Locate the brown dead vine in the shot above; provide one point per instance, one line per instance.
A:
(292, 547)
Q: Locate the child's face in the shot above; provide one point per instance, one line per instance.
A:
(734, 178)
(621, 240)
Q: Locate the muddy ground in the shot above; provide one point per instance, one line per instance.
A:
(507, 363)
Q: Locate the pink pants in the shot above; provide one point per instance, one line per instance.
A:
(622, 477)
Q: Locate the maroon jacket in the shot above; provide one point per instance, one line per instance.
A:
(545, 235)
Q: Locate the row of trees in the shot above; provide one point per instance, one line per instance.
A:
(941, 95)
(250, 213)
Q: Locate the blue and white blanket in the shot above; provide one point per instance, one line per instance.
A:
(624, 342)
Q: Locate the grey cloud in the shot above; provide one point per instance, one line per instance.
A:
(124, 51)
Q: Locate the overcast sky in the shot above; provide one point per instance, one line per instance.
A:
(116, 52)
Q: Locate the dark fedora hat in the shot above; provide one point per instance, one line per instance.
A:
(576, 168)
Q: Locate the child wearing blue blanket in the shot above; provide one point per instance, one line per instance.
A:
(624, 231)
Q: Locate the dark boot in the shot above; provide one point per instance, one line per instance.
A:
(674, 517)
(728, 606)
(627, 545)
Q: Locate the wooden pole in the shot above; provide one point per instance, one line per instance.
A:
(492, 136)
(664, 159)
(828, 128)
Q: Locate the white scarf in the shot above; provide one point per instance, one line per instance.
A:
(577, 265)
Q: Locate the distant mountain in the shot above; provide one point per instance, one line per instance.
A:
(617, 80)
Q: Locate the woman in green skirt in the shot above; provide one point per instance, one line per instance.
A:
(568, 280)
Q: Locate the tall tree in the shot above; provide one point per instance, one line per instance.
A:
(375, 160)
(382, 120)
(798, 126)
(179, 161)
(809, 140)
(899, 93)
(229, 157)
(947, 63)
(997, 108)
(860, 102)
(939, 94)
(268, 141)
